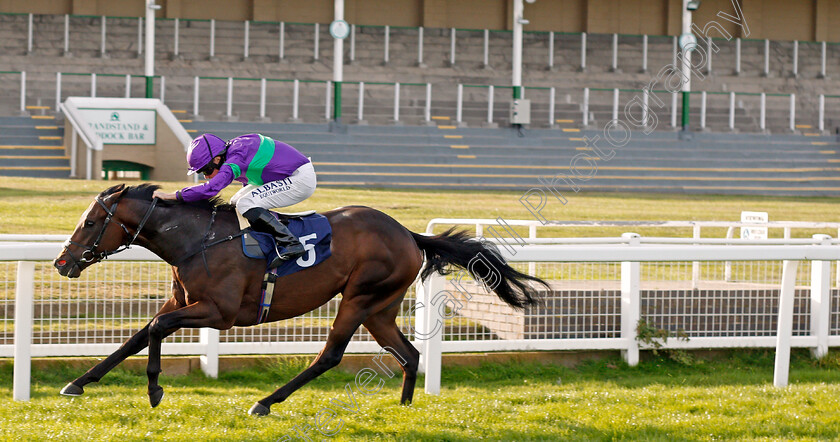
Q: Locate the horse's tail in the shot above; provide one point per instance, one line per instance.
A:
(483, 261)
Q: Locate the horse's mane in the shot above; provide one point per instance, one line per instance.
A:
(144, 192)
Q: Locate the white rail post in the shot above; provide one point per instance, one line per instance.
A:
(93, 85)
(396, 102)
(229, 101)
(57, 90)
(459, 103)
(73, 148)
(703, 110)
(420, 46)
(361, 115)
(709, 51)
(673, 109)
(583, 51)
(452, 47)
(281, 53)
(327, 97)
(263, 83)
(695, 266)
(296, 99)
(766, 57)
(317, 41)
(209, 339)
(795, 58)
(24, 300)
(732, 111)
(29, 35)
(550, 50)
(212, 37)
(162, 89)
(727, 267)
(128, 86)
(352, 43)
(674, 51)
(645, 106)
(195, 96)
(430, 325)
(532, 266)
(428, 110)
(585, 107)
(490, 93)
(630, 304)
(762, 111)
(821, 123)
(247, 39)
(820, 301)
(785, 323)
(822, 60)
(738, 56)
(23, 92)
(487, 50)
(102, 37)
(615, 104)
(175, 37)
(67, 34)
(614, 66)
(792, 112)
(551, 105)
(644, 53)
(139, 37)
(387, 44)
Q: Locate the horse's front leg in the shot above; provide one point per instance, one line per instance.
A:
(132, 346)
(200, 314)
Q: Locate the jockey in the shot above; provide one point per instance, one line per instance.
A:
(274, 175)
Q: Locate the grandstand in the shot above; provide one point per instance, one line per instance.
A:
(764, 114)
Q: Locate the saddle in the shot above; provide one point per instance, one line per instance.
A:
(314, 232)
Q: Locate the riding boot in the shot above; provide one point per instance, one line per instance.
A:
(263, 221)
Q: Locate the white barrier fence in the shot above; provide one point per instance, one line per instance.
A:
(588, 308)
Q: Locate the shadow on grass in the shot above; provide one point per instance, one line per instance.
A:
(746, 367)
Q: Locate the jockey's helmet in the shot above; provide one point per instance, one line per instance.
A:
(202, 151)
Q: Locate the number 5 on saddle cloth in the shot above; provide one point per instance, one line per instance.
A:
(314, 232)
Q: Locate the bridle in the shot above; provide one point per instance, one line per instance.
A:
(90, 254)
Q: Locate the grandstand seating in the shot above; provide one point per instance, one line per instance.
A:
(367, 65)
(718, 160)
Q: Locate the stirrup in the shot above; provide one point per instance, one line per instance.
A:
(288, 254)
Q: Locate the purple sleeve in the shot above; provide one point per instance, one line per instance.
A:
(207, 189)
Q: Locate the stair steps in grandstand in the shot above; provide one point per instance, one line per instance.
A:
(424, 157)
(32, 148)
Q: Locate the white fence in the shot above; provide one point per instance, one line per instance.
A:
(601, 287)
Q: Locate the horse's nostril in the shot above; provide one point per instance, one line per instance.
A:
(62, 262)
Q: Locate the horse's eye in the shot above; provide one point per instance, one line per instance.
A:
(89, 223)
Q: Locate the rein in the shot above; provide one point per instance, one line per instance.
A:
(205, 245)
(90, 254)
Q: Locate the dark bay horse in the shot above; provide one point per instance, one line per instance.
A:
(374, 261)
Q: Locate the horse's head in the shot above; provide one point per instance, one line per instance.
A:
(100, 232)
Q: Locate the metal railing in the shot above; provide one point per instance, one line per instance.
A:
(599, 292)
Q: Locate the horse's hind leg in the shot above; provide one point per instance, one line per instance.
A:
(347, 321)
(383, 328)
(132, 346)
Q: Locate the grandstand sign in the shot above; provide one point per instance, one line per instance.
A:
(122, 126)
(754, 232)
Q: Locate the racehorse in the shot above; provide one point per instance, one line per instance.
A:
(374, 261)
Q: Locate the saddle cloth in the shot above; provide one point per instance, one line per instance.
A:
(314, 232)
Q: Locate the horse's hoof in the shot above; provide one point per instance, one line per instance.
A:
(72, 390)
(155, 397)
(259, 410)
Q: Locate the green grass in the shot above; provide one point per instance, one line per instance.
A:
(29, 205)
(729, 398)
